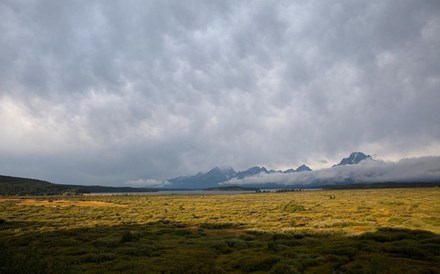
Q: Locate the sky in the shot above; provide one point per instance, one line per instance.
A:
(110, 92)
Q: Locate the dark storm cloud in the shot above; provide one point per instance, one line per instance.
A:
(119, 91)
(423, 169)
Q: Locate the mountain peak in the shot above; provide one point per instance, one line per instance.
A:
(251, 171)
(202, 180)
(353, 159)
(222, 172)
(290, 170)
(303, 168)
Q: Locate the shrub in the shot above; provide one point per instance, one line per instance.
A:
(284, 269)
(275, 247)
(287, 236)
(347, 251)
(259, 263)
(434, 249)
(410, 252)
(218, 226)
(247, 237)
(307, 261)
(126, 237)
(183, 232)
(192, 262)
(144, 250)
(97, 258)
(238, 243)
(222, 247)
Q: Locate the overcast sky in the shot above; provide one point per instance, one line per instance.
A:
(105, 92)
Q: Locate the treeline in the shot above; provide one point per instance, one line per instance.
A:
(15, 186)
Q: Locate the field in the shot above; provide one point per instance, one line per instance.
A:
(341, 231)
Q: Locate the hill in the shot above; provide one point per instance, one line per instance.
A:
(16, 186)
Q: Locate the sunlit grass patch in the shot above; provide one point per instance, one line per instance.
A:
(51, 202)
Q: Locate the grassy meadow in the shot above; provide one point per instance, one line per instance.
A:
(341, 231)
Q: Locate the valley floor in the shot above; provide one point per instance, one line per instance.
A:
(340, 231)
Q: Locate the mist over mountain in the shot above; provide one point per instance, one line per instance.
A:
(251, 171)
(422, 169)
(356, 168)
(216, 176)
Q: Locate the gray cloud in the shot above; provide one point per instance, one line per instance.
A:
(101, 92)
(423, 169)
(147, 183)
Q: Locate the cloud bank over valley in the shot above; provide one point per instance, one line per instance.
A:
(423, 169)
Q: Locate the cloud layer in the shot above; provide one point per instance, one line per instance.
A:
(107, 93)
(423, 169)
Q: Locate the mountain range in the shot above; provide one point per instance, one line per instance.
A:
(216, 176)
(348, 173)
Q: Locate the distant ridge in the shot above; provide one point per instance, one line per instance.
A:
(17, 186)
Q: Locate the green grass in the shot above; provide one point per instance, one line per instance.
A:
(359, 231)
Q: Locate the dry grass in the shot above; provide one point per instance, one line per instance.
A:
(352, 211)
(59, 203)
(306, 232)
